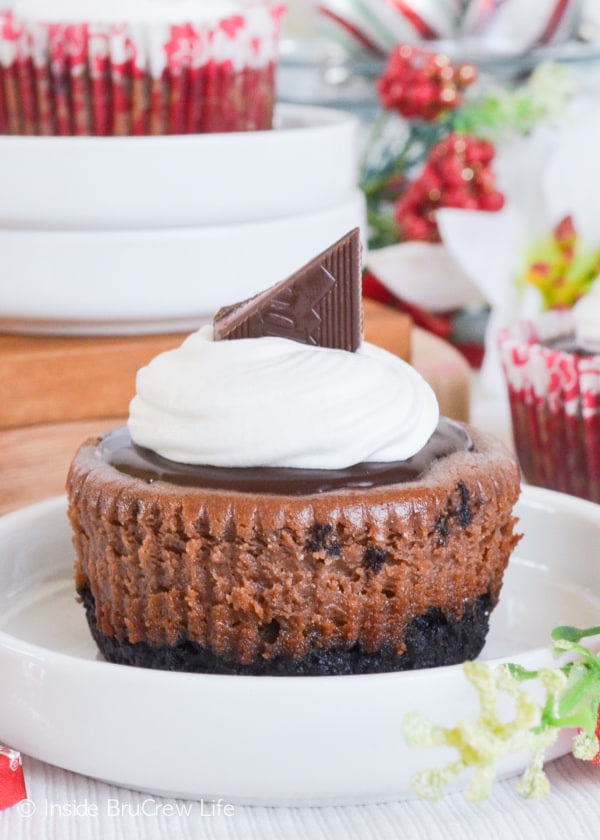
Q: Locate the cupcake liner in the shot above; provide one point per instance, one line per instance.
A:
(155, 78)
(554, 400)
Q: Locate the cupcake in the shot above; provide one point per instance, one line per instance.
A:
(286, 500)
(137, 67)
(552, 370)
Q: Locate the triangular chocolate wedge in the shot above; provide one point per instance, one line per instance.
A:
(320, 304)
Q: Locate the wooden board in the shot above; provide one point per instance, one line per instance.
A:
(34, 459)
(45, 380)
(48, 380)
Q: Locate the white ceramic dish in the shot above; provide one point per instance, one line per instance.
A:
(87, 282)
(269, 740)
(308, 162)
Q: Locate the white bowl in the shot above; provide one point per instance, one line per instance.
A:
(308, 162)
(261, 740)
(116, 282)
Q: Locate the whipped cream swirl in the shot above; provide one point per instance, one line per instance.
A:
(586, 319)
(271, 402)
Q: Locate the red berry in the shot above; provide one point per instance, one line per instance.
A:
(416, 229)
(491, 201)
(480, 151)
(451, 169)
(456, 197)
(456, 173)
(418, 83)
(430, 179)
(419, 98)
(484, 179)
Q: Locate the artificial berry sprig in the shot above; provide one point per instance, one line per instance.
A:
(423, 84)
(425, 89)
(457, 173)
(408, 173)
(572, 701)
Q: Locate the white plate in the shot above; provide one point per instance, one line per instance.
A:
(308, 162)
(269, 740)
(88, 282)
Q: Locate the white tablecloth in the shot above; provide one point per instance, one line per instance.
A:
(110, 813)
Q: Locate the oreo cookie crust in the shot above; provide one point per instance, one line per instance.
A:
(430, 640)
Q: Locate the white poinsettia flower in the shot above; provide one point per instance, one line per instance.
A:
(545, 177)
(424, 275)
(479, 249)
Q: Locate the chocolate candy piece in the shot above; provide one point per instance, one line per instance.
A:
(320, 304)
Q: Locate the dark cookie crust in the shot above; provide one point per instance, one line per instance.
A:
(431, 640)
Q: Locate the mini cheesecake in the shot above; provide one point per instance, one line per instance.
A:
(379, 567)
(242, 522)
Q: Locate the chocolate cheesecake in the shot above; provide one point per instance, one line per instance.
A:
(373, 564)
(391, 567)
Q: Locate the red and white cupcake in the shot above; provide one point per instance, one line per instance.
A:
(552, 369)
(120, 67)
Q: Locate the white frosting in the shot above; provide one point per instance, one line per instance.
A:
(272, 402)
(586, 319)
(120, 11)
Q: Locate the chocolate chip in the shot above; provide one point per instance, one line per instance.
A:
(442, 528)
(322, 538)
(374, 558)
(463, 512)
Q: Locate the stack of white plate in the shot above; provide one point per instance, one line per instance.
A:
(134, 235)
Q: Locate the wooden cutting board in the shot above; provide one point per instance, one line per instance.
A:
(49, 380)
(46, 380)
(34, 458)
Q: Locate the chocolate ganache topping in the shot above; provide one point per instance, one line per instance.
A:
(118, 450)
